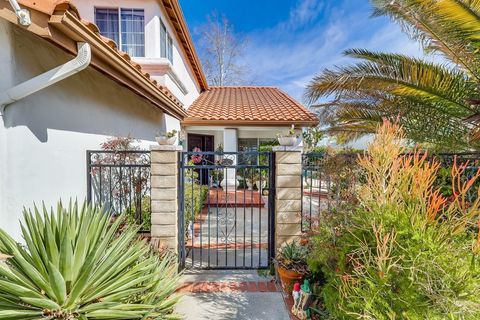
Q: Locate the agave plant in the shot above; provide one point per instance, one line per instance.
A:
(436, 103)
(78, 264)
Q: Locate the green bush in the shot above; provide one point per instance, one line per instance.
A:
(405, 252)
(146, 214)
(194, 198)
(78, 264)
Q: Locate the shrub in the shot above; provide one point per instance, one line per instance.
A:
(194, 198)
(145, 210)
(405, 252)
(77, 264)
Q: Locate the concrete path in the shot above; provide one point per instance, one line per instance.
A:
(229, 294)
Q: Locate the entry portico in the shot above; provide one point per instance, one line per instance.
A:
(240, 118)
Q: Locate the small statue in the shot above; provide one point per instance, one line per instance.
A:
(296, 292)
(302, 304)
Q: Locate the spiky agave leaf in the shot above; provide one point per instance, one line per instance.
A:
(78, 265)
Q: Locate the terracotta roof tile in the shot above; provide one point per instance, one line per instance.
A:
(255, 104)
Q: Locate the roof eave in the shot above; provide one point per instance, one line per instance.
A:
(249, 123)
(64, 29)
(175, 14)
(107, 60)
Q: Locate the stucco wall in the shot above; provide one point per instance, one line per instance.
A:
(44, 136)
(153, 12)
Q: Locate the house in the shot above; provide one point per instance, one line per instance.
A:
(84, 70)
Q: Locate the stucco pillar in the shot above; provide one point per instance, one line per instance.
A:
(288, 194)
(164, 193)
(230, 144)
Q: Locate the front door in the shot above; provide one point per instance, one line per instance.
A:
(206, 144)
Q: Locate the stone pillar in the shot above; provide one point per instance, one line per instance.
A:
(288, 195)
(164, 193)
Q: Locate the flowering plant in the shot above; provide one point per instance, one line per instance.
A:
(197, 158)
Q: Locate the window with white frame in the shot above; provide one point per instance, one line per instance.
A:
(124, 26)
(166, 43)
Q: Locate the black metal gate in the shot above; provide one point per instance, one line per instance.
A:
(120, 181)
(226, 216)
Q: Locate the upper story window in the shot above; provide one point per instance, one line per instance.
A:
(166, 43)
(124, 26)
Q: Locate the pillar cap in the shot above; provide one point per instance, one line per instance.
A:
(287, 149)
(165, 148)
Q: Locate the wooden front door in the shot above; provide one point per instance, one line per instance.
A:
(205, 143)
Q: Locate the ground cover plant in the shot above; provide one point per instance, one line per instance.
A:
(406, 251)
(78, 263)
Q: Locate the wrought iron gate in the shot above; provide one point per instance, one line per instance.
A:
(120, 181)
(226, 215)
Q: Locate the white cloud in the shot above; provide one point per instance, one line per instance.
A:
(304, 12)
(290, 59)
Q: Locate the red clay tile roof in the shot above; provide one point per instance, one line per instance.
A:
(248, 106)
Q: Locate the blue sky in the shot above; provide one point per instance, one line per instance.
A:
(290, 41)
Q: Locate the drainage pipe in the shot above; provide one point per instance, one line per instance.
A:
(22, 14)
(20, 91)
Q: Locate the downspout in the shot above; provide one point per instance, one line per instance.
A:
(20, 91)
(22, 14)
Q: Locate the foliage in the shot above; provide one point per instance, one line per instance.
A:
(194, 198)
(120, 144)
(290, 133)
(405, 252)
(292, 256)
(170, 134)
(436, 103)
(311, 138)
(77, 264)
(140, 212)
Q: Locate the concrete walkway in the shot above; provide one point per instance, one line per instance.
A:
(230, 294)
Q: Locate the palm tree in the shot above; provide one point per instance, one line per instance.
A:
(436, 103)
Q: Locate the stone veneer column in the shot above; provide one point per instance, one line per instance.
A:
(164, 194)
(288, 195)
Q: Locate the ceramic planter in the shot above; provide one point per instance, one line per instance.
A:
(162, 140)
(288, 279)
(287, 141)
(249, 185)
(262, 186)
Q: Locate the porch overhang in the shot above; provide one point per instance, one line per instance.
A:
(247, 123)
(248, 106)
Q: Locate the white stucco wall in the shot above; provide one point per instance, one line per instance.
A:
(44, 137)
(153, 12)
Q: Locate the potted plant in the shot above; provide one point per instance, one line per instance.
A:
(261, 180)
(168, 138)
(291, 264)
(288, 139)
(249, 179)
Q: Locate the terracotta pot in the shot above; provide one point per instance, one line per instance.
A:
(288, 278)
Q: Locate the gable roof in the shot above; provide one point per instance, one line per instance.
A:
(266, 106)
(58, 22)
(175, 15)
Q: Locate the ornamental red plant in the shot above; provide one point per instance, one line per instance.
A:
(197, 158)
